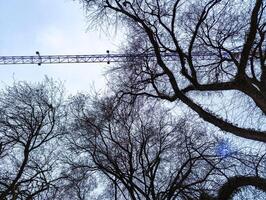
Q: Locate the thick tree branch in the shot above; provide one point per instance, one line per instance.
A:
(250, 39)
(234, 183)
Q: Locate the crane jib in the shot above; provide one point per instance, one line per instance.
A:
(96, 58)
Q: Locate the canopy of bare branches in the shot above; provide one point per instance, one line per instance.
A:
(148, 138)
(221, 51)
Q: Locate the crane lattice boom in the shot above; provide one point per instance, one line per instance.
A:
(97, 58)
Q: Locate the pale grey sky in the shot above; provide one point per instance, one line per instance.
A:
(52, 27)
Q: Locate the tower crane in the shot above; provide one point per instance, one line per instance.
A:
(92, 58)
(103, 58)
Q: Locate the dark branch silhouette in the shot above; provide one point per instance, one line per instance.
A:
(221, 49)
(145, 153)
(29, 127)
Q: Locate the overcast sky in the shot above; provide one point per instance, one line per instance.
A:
(52, 27)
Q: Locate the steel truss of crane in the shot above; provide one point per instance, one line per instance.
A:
(97, 58)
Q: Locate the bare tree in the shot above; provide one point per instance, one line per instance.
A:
(220, 50)
(145, 153)
(30, 127)
(76, 183)
(246, 178)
